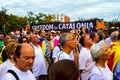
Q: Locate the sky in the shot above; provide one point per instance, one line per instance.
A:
(76, 9)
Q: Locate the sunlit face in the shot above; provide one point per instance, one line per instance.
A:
(43, 34)
(76, 31)
(51, 37)
(28, 37)
(88, 41)
(35, 38)
(105, 54)
(26, 59)
(72, 42)
(96, 37)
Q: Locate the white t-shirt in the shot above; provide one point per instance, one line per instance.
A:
(55, 51)
(62, 55)
(39, 66)
(71, 55)
(21, 75)
(99, 73)
(85, 63)
(4, 67)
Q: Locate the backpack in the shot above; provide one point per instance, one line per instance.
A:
(51, 59)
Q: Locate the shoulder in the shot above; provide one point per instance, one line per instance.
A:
(95, 70)
(95, 77)
(95, 74)
(5, 65)
(65, 55)
(56, 47)
(9, 76)
(84, 52)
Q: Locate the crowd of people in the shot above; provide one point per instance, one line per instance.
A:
(60, 55)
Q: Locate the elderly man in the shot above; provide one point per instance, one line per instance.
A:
(24, 58)
(69, 44)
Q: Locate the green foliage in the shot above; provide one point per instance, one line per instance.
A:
(36, 18)
(10, 22)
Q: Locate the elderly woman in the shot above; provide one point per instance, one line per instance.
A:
(100, 71)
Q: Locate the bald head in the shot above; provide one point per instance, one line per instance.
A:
(26, 46)
(23, 48)
(24, 56)
(114, 35)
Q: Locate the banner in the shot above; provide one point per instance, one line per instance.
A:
(64, 26)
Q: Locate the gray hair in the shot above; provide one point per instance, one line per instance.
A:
(114, 35)
(63, 38)
(96, 51)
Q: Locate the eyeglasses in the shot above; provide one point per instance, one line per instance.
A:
(74, 38)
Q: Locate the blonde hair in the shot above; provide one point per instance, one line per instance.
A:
(10, 48)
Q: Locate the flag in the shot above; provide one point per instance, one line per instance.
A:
(100, 24)
(114, 49)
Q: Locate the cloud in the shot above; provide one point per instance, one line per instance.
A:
(107, 9)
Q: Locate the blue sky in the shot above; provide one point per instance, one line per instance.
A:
(102, 9)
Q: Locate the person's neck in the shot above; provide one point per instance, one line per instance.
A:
(42, 37)
(12, 61)
(94, 42)
(21, 69)
(35, 44)
(87, 47)
(100, 63)
(66, 50)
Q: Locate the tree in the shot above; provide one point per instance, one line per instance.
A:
(36, 18)
(40, 18)
(3, 18)
(31, 17)
(10, 22)
(15, 22)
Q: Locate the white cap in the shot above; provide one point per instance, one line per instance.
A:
(53, 31)
(12, 32)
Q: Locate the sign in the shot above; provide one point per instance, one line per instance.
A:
(64, 26)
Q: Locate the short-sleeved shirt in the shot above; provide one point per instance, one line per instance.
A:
(55, 51)
(4, 67)
(21, 75)
(99, 73)
(85, 63)
(62, 55)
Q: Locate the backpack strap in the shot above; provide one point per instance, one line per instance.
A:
(1, 59)
(59, 55)
(60, 47)
(14, 74)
